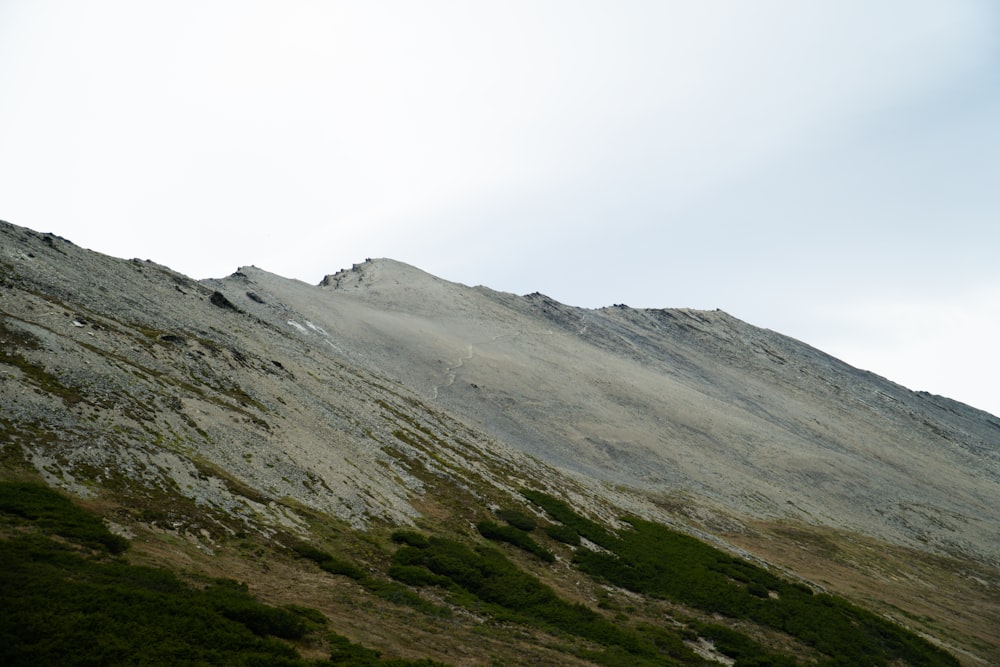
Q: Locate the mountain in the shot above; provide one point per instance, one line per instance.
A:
(260, 428)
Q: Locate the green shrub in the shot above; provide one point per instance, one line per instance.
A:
(312, 553)
(518, 538)
(62, 608)
(518, 519)
(234, 601)
(562, 512)
(338, 566)
(344, 652)
(494, 585)
(311, 616)
(410, 537)
(564, 534)
(51, 512)
(386, 590)
(329, 563)
(741, 648)
(415, 575)
(396, 593)
(654, 560)
(263, 620)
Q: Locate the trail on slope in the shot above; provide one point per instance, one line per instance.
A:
(451, 372)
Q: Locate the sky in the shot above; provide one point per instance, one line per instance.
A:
(828, 169)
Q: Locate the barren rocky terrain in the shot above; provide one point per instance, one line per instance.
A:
(192, 413)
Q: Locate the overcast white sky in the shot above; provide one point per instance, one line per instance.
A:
(827, 169)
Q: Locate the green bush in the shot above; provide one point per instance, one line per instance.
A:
(338, 566)
(494, 585)
(386, 590)
(410, 537)
(654, 560)
(741, 648)
(343, 652)
(51, 512)
(328, 563)
(518, 538)
(564, 534)
(396, 593)
(312, 553)
(562, 512)
(518, 519)
(313, 617)
(62, 608)
(233, 601)
(415, 575)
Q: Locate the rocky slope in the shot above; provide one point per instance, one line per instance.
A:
(385, 396)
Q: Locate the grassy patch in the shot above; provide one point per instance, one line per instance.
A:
(63, 606)
(391, 591)
(486, 581)
(654, 560)
(343, 652)
(572, 523)
(53, 513)
(515, 536)
(12, 339)
(518, 519)
(67, 605)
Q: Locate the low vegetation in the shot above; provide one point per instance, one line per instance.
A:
(486, 581)
(68, 600)
(71, 598)
(518, 519)
(654, 560)
(54, 514)
(387, 590)
(515, 536)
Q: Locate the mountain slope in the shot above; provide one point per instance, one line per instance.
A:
(681, 400)
(255, 405)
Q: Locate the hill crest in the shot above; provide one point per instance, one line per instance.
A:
(257, 403)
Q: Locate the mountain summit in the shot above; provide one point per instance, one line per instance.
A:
(665, 401)
(205, 417)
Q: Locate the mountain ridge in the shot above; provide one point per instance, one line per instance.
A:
(466, 345)
(253, 402)
(444, 344)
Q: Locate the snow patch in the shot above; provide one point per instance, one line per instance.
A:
(315, 328)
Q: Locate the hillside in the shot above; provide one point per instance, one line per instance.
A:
(282, 434)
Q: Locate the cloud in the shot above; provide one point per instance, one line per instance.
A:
(753, 157)
(944, 343)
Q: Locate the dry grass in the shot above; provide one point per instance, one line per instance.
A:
(395, 631)
(952, 601)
